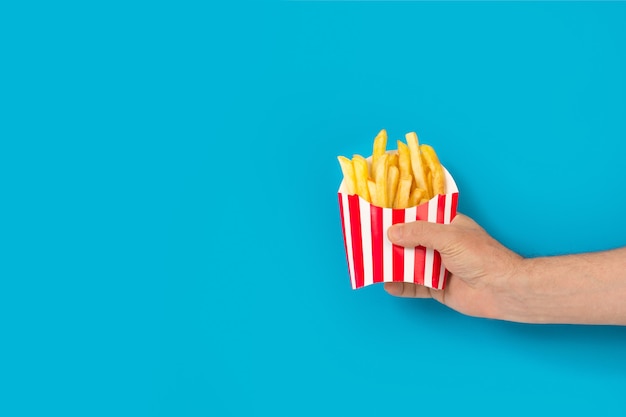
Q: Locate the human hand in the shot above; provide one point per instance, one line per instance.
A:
(481, 268)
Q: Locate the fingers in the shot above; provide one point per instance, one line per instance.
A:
(407, 290)
(422, 233)
(432, 235)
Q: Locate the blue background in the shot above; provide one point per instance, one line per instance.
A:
(170, 237)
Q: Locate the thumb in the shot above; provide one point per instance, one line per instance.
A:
(422, 233)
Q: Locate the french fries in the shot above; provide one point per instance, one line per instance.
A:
(436, 170)
(361, 174)
(348, 174)
(400, 179)
(416, 161)
(403, 193)
(380, 177)
(380, 146)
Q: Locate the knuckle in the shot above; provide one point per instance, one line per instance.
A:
(407, 290)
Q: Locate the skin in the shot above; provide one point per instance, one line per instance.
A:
(488, 280)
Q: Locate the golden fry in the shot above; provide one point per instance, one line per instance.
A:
(348, 174)
(371, 187)
(439, 183)
(429, 181)
(393, 174)
(380, 176)
(404, 160)
(416, 161)
(417, 196)
(438, 178)
(380, 148)
(361, 176)
(393, 160)
(404, 191)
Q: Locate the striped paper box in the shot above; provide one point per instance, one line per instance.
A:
(372, 258)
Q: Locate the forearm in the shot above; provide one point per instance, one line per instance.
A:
(586, 288)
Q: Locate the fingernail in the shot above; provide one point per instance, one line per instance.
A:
(395, 232)
(393, 288)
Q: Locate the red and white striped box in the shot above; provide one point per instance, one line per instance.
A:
(372, 258)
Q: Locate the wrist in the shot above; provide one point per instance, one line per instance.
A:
(522, 293)
(549, 290)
